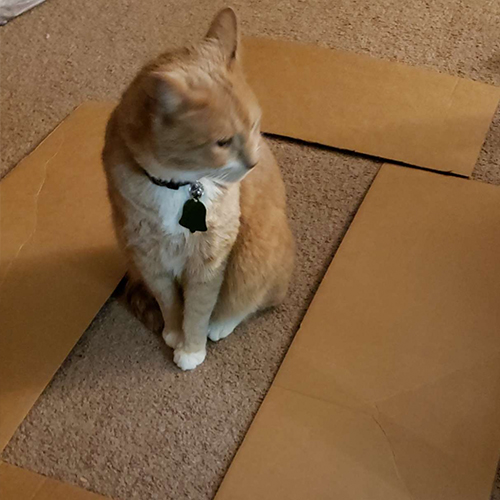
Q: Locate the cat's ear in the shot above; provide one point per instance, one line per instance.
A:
(224, 28)
(171, 93)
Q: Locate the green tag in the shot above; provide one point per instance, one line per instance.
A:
(194, 216)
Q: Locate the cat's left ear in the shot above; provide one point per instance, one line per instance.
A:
(224, 29)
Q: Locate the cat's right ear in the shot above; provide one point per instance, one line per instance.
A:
(224, 28)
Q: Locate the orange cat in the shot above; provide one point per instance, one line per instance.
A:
(198, 200)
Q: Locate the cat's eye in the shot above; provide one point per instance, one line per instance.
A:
(225, 143)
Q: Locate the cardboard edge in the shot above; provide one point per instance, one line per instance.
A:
(381, 159)
(84, 104)
(6, 437)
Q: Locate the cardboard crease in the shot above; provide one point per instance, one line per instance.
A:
(438, 379)
(373, 416)
(35, 223)
(396, 466)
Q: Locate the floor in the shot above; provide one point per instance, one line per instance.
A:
(118, 418)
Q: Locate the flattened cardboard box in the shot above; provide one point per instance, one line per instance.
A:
(391, 388)
(58, 258)
(355, 102)
(57, 237)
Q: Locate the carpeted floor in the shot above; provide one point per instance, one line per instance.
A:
(118, 418)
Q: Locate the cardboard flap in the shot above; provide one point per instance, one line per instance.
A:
(370, 106)
(58, 258)
(403, 332)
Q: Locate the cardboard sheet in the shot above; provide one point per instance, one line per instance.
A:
(391, 388)
(58, 258)
(20, 484)
(375, 107)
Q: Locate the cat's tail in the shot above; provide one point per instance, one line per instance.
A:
(143, 305)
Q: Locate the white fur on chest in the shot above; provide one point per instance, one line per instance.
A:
(175, 240)
(153, 223)
(169, 204)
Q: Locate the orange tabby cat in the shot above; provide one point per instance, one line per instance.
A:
(198, 200)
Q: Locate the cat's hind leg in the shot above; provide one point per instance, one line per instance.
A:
(232, 308)
(220, 328)
(227, 317)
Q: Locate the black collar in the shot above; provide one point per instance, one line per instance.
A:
(163, 183)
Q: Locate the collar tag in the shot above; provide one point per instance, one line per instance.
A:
(194, 212)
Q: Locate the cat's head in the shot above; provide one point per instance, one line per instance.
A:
(190, 114)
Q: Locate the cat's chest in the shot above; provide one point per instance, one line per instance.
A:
(168, 211)
(156, 230)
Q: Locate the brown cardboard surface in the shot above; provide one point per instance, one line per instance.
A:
(391, 388)
(20, 484)
(381, 108)
(58, 258)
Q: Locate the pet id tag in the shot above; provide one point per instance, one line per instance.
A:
(194, 213)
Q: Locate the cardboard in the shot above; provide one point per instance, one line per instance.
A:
(20, 484)
(381, 108)
(58, 258)
(391, 388)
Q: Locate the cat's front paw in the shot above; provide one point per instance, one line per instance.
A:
(172, 338)
(189, 360)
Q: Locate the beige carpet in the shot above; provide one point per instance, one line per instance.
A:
(119, 418)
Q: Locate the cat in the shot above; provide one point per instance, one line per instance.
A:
(183, 150)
